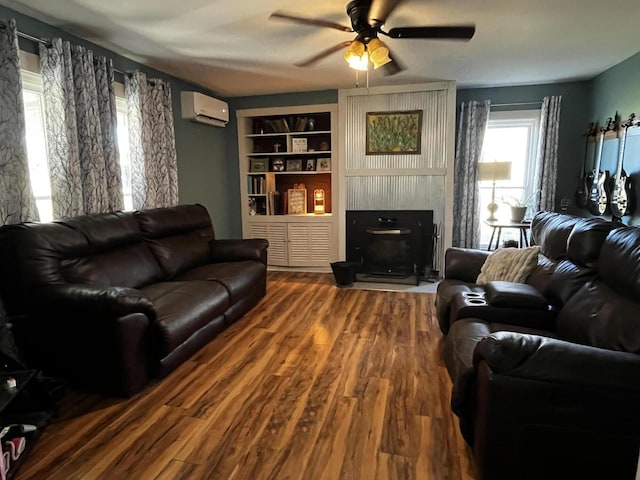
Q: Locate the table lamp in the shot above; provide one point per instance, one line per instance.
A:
(493, 171)
(318, 201)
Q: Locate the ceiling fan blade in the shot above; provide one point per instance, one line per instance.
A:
(394, 66)
(380, 11)
(324, 53)
(309, 21)
(454, 32)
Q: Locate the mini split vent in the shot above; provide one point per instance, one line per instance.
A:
(200, 108)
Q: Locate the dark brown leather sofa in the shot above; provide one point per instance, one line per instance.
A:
(549, 392)
(110, 301)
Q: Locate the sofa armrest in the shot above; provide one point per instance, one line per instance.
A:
(464, 263)
(566, 410)
(95, 337)
(551, 360)
(238, 250)
(80, 299)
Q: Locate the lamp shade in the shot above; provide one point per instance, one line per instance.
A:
(378, 53)
(494, 171)
(356, 55)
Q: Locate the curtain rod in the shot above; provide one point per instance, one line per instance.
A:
(48, 44)
(517, 104)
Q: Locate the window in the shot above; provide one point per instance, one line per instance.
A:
(37, 144)
(35, 126)
(123, 146)
(510, 137)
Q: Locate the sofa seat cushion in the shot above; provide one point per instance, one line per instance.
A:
(239, 278)
(183, 308)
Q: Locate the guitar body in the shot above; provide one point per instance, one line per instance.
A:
(583, 190)
(598, 193)
(598, 197)
(620, 193)
(621, 184)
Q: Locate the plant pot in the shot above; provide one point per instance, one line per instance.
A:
(518, 213)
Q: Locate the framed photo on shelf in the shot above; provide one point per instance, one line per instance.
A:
(324, 165)
(298, 145)
(258, 165)
(277, 165)
(310, 165)
(294, 165)
(297, 201)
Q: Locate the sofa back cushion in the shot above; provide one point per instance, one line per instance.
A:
(586, 239)
(116, 253)
(605, 312)
(179, 237)
(619, 262)
(551, 231)
(104, 249)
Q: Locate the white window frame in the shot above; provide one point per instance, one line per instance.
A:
(529, 119)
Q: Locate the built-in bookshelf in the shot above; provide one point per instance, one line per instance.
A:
(288, 181)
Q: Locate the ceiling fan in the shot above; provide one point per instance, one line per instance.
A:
(367, 19)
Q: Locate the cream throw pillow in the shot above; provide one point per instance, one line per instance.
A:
(509, 265)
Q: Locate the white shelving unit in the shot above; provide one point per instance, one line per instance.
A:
(266, 158)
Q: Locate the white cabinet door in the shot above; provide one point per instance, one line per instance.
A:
(309, 244)
(276, 234)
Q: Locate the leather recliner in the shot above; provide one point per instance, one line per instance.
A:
(551, 397)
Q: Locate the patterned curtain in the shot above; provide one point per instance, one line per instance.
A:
(81, 130)
(17, 203)
(154, 168)
(547, 156)
(466, 194)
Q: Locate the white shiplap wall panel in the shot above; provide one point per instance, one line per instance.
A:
(384, 182)
(433, 106)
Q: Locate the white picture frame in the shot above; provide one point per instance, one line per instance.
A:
(299, 145)
(323, 165)
(297, 201)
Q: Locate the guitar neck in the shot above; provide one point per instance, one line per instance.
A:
(596, 168)
(623, 141)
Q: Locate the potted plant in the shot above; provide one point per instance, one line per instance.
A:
(519, 206)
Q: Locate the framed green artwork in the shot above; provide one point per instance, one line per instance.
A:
(396, 133)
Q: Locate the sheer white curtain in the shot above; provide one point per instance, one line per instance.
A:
(466, 193)
(154, 167)
(547, 157)
(17, 203)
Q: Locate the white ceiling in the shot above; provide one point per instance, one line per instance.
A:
(232, 48)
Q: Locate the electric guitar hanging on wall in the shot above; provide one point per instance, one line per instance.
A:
(620, 183)
(585, 178)
(598, 193)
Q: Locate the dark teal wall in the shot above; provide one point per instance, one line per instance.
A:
(202, 168)
(261, 101)
(617, 90)
(573, 121)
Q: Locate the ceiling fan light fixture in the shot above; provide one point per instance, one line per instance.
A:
(378, 53)
(356, 55)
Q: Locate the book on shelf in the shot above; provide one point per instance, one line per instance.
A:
(273, 203)
(256, 185)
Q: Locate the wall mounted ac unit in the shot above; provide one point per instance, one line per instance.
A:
(200, 108)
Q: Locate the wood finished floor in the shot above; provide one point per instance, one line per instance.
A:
(315, 382)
